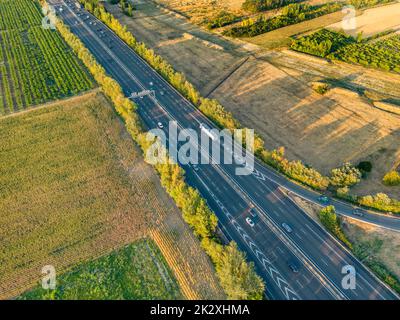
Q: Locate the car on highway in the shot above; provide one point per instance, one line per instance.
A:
(358, 212)
(250, 222)
(323, 199)
(195, 167)
(253, 212)
(294, 266)
(160, 125)
(287, 228)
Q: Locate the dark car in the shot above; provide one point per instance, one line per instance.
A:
(358, 212)
(323, 199)
(294, 266)
(253, 212)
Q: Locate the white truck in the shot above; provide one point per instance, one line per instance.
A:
(206, 129)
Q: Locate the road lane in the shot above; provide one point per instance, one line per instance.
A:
(179, 109)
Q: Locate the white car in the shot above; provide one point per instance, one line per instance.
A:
(250, 222)
(287, 227)
(160, 125)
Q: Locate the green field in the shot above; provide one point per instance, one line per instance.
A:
(377, 53)
(282, 36)
(35, 63)
(65, 193)
(136, 272)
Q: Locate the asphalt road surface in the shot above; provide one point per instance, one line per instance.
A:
(318, 259)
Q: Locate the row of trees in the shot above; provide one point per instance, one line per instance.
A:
(291, 14)
(332, 222)
(392, 178)
(223, 18)
(254, 6)
(367, 3)
(296, 170)
(231, 265)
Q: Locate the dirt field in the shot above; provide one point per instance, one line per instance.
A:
(323, 131)
(204, 58)
(75, 187)
(271, 93)
(198, 10)
(375, 20)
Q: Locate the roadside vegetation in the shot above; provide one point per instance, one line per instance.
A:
(360, 4)
(365, 250)
(254, 6)
(35, 63)
(135, 272)
(194, 209)
(332, 222)
(295, 169)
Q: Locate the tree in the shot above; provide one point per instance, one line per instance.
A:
(345, 176)
(392, 178)
(331, 221)
(237, 276)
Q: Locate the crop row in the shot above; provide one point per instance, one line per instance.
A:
(35, 63)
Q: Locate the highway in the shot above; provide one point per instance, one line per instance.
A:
(320, 258)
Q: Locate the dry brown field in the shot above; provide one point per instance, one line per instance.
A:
(375, 20)
(271, 92)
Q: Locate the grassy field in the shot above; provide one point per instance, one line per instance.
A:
(35, 63)
(135, 272)
(74, 187)
(282, 37)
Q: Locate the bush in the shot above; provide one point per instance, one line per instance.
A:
(254, 6)
(291, 14)
(321, 88)
(222, 19)
(331, 221)
(380, 201)
(345, 176)
(365, 166)
(392, 178)
(237, 277)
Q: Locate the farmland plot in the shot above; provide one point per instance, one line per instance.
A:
(73, 187)
(137, 271)
(35, 64)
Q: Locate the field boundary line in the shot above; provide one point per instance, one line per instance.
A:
(91, 92)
